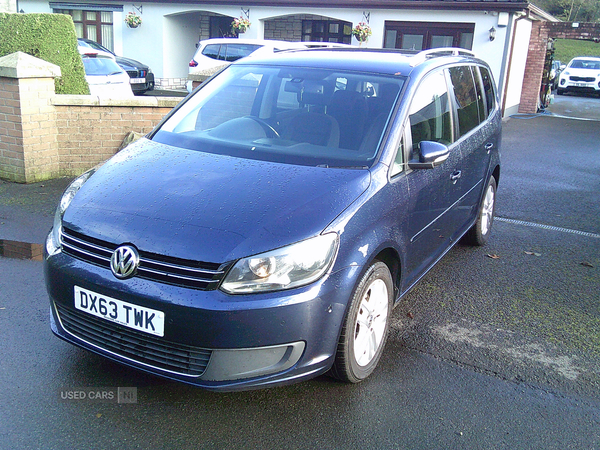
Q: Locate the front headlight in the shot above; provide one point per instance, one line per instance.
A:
(54, 241)
(285, 268)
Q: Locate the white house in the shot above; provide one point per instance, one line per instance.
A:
(497, 31)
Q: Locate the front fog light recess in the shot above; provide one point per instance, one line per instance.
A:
(285, 268)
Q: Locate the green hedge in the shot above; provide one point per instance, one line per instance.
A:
(50, 37)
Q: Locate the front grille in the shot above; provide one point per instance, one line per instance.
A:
(585, 79)
(134, 345)
(164, 269)
(133, 74)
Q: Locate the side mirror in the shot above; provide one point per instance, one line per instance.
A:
(431, 155)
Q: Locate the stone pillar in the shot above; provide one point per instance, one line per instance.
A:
(28, 143)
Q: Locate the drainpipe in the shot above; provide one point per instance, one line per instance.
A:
(507, 57)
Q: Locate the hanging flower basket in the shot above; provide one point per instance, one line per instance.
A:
(132, 20)
(361, 32)
(240, 25)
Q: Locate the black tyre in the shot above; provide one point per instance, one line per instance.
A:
(480, 231)
(366, 326)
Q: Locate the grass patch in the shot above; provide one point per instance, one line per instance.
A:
(567, 49)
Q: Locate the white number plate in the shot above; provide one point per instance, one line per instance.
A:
(137, 80)
(127, 314)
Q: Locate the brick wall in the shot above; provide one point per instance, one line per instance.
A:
(44, 135)
(536, 56)
(89, 134)
(11, 129)
(569, 30)
(27, 120)
(532, 79)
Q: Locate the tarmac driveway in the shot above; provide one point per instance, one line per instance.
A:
(497, 347)
(526, 307)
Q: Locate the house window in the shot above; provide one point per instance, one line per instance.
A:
(327, 31)
(426, 35)
(94, 25)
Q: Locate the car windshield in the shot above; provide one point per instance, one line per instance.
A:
(303, 116)
(593, 64)
(100, 65)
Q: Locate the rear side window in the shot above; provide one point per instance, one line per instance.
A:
(429, 113)
(467, 102)
(212, 51)
(237, 51)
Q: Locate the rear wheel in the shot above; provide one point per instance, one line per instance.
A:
(365, 329)
(480, 231)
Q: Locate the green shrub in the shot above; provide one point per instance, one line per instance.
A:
(50, 37)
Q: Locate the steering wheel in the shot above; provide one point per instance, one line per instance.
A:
(269, 130)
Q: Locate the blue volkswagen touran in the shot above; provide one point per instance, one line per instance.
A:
(263, 232)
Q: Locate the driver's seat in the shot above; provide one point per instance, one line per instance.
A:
(314, 128)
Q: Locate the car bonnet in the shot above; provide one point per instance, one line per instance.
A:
(205, 207)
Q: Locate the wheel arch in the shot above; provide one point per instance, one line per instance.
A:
(390, 257)
(496, 175)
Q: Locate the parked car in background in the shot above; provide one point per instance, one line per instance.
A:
(104, 76)
(141, 76)
(555, 71)
(213, 54)
(263, 232)
(582, 74)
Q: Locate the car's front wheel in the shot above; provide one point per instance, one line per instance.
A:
(480, 231)
(366, 326)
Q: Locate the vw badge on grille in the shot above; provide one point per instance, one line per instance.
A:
(124, 262)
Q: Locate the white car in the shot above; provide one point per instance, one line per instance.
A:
(217, 53)
(105, 77)
(582, 74)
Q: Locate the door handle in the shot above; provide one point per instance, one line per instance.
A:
(455, 176)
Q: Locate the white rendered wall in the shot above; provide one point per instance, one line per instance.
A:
(517, 66)
(167, 39)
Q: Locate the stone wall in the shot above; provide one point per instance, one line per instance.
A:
(288, 28)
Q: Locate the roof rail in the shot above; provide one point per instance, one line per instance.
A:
(442, 51)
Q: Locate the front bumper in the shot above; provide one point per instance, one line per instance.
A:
(217, 341)
(568, 85)
(148, 85)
